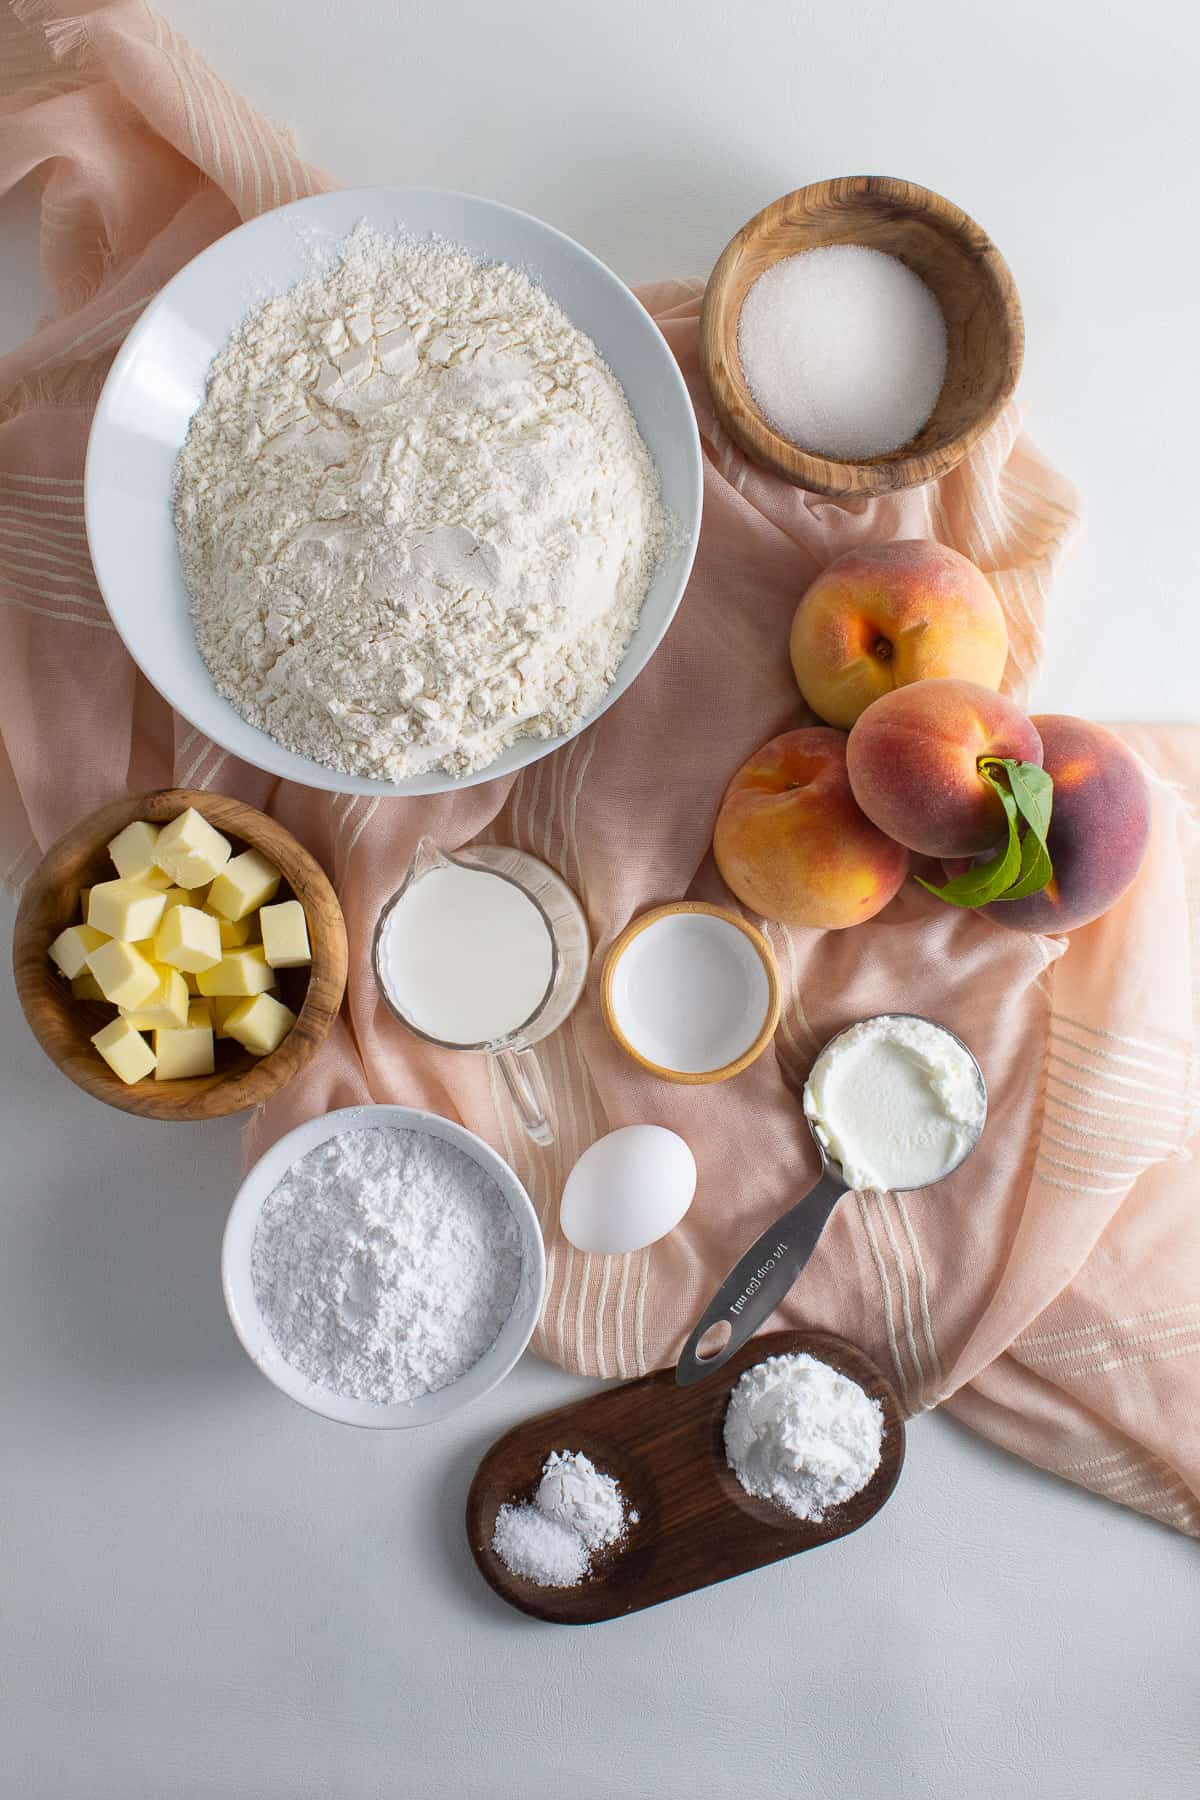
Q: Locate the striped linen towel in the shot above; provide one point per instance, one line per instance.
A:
(1049, 1293)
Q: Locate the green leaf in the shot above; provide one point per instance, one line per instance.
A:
(1023, 866)
(1033, 791)
(1036, 869)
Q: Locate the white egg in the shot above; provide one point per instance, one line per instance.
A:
(627, 1190)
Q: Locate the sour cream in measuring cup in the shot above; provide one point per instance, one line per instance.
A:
(896, 1101)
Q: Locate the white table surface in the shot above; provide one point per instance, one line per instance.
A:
(207, 1594)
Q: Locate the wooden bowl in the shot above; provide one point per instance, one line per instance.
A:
(694, 909)
(984, 329)
(64, 1025)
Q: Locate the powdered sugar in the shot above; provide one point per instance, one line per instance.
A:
(415, 514)
(802, 1434)
(577, 1510)
(578, 1494)
(385, 1264)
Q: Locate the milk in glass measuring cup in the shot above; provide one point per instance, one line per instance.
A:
(485, 950)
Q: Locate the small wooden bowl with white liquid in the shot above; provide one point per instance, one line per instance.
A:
(985, 334)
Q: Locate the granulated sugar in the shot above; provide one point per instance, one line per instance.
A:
(577, 1510)
(844, 350)
(385, 1264)
(545, 1551)
(802, 1434)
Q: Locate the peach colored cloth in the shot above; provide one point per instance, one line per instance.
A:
(1050, 1292)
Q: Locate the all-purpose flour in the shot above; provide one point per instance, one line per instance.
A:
(385, 1264)
(415, 514)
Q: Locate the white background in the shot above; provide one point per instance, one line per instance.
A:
(206, 1594)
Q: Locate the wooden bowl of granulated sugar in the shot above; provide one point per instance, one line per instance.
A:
(898, 404)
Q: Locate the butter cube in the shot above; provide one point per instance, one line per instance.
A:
(200, 1012)
(186, 1052)
(125, 977)
(246, 881)
(188, 939)
(222, 1005)
(132, 852)
(86, 987)
(244, 971)
(190, 850)
(128, 910)
(166, 1007)
(260, 1025)
(125, 1051)
(285, 935)
(234, 932)
(70, 948)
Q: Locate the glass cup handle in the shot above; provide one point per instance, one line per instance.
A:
(527, 1089)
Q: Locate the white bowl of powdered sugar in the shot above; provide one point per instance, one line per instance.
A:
(392, 491)
(383, 1266)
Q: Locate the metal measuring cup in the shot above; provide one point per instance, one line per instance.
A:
(757, 1284)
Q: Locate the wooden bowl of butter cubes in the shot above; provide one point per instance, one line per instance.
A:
(180, 955)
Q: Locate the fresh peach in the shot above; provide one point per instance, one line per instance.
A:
(792, 844)
(1099, 826)
(890, 614)
(913, 761)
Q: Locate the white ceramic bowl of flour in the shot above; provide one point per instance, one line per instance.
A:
(246, 1313)
(158, 381)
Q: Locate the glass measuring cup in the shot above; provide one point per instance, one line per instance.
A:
(762, 1277)
(570, 953)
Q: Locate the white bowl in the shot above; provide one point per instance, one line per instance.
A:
(158, 380)
(241, 1300)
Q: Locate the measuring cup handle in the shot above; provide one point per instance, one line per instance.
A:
(755, 1286)
(527, 1089)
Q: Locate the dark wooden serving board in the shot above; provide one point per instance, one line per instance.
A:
(664, 1443)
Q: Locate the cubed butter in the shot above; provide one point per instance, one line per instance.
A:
(125, 1051)
(69, 951)
(222, 1005)
(234, 932)
(200, 1012)
(245, 882)
(128, 910)
(260, 1025)
(86, 987)
(285, 935)
(244, 971)
(166, 1008)
(125, 976)
(188, 939)
(191, 850)
(132, 853)
(186, 1052)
